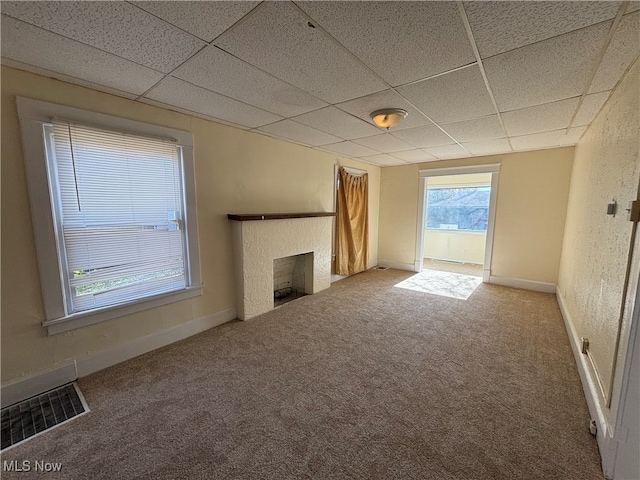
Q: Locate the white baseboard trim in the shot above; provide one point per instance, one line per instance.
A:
(524, 284)
(590, 386)
(151, 342)
(397, 265)
(26, 387)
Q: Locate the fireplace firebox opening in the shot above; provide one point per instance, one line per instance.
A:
(292, 277)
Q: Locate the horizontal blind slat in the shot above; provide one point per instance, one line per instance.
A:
(121, 204)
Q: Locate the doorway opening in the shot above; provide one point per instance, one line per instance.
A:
(456, 218)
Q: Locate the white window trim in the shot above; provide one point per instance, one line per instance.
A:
(32, 114)
(494, 169)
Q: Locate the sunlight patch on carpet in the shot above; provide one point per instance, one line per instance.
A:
(445, 284)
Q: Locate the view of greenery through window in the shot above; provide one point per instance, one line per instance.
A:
(110, 284)
(463, 208)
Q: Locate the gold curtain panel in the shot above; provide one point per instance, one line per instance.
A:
(352, 223)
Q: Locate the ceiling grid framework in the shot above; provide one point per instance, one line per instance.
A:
(476, 52)
(603, 51)
(477, 78)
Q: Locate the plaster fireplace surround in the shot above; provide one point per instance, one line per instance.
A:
(260, 239)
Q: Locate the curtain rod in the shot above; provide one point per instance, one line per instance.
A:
(356, 172)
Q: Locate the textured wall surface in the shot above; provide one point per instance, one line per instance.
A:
(263, 241)
(596, 245)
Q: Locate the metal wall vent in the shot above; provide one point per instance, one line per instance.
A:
(40, 413)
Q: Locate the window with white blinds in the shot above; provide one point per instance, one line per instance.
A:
(118, 205)
(113, 204)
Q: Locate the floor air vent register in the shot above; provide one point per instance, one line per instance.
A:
(41, 413)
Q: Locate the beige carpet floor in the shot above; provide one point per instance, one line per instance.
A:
(362, 381)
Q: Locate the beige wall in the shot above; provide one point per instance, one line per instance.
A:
(398, 213)
(454, 245)
(530, 213)
(236, 171)
(596, 245)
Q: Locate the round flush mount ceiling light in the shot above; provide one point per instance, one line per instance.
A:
(388, 117)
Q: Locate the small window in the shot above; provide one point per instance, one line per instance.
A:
(458, 208)
(113, 229)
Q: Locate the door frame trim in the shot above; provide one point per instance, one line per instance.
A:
(494, 170)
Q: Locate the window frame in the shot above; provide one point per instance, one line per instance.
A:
(33, 114)
(453, 186)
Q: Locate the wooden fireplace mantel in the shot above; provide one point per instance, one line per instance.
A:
(245, 217)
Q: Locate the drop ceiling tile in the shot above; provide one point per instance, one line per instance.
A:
(349, 149)
(451, 97)
(34, 46)
(174, 91)
(482, 128)
(336, 122)
(622, 51)
(633, 6)
(547, 71)
(573, 135)
(304, 56)
(541, 118)
(539, 140)
(384, 160)
(400, 41)
(191, 113)
(43, 72)
(589, 108)
(488, 147)
(414, 156)
(384, 143)
(423, 137)
(363, 107)
(448, 151)
(502, 26)
(297, 132)
(556, 138)
(115, 27)
(215, 70)
(205, 20)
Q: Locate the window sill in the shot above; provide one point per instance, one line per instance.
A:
(454, 230)
(83, 319)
